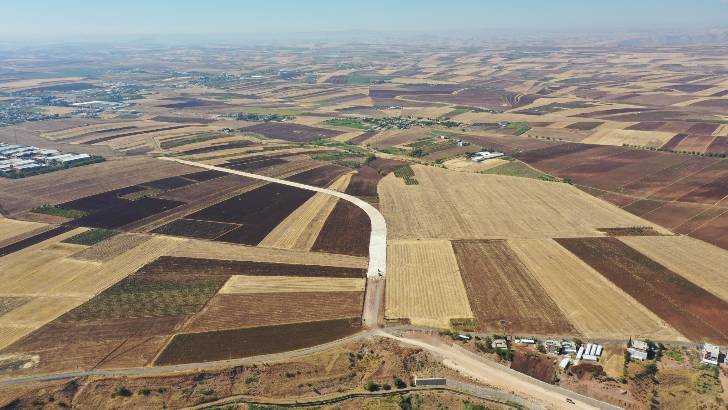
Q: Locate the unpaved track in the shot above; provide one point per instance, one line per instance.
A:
(499, 376)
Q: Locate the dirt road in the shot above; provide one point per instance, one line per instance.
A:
(499, 376)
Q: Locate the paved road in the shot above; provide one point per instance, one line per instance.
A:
(377, 239)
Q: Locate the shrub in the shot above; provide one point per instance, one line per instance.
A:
(399, 383)
(122, 391)
(371, 386)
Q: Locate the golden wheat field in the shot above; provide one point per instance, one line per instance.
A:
(595, 306)
(301, 228)
(424, 283)
(455, 205)
(240, 284)
(701, 263)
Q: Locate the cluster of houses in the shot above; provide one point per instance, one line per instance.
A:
(19, 157)
(710, 354)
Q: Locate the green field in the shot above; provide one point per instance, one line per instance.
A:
(91, 237)
(56, 211)
(347, 122)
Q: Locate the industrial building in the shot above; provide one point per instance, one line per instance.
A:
(19, 157)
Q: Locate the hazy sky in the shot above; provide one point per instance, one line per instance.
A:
(59, 19)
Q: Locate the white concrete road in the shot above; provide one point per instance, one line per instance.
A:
(378, 238)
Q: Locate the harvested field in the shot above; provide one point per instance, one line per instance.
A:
(182, 120)
(700, 263)
(292, 132)
(258, 211)
(69, 184)
(192, 228)
(690, 309)
(424, 284)
(619, 137)
(448, 204)
(131, 134)
(346, 231)
(319, 177)
(630, 231)
(594, 305)
(191, 266)
(193, 248)
(235, 310)
(227, 344)
(239, 284)
(536, 365)
(8, 303)
(302, 227)
(11, 228)
(217, 147)
(122, 214)
(500, 287)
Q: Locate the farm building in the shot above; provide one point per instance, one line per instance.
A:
(710, 354)
(567, 346)
(485, 155)
(552, 346)
(638, 349)
(500, 344)
(564, 363)
(591, 352)
(430, 381)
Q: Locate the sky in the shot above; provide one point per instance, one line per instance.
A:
(96, 19)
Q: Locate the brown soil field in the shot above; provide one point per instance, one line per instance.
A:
(126, 213)
(695, 143)
(34, 240)
(651, 183)
(594, 305)
(702, 129)
(673, 142)
(715, 232)
(705, 217)
(690, 309)
(455, 205)
(384, 166)
(258, 211)
(584, 126)
(195, 229)
(500, 287)
(191, 266)
(424, 284)
(718, 146)
(364, 182)
(700, 263)
(233, 311)
(345, 231)
(132, 133)
(647, 126)
(674, 214)
(227, 344)
(362, 138)
(69, 184)
(536, 365)
(321, 176)
(292, 132)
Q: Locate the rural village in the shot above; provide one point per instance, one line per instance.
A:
(343, 226)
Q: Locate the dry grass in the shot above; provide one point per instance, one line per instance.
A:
(217, 250)
(278, 284)
(301, 228)
(466, 165)
(424, 283)
(701, 263)
(454, 205)
(593, 304)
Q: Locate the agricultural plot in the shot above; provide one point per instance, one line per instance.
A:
(189, 266)
(33, 240)
(424, 284)
(244, 284)
(456, 205)
(11, 228)
(321, 176)
(192, 228)
(292, 132)
(244, 310)
(226, 344)
(258, 211)
(345, 231)
(688, 308)
(593, 304)
(501, 288)
(700, 263)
